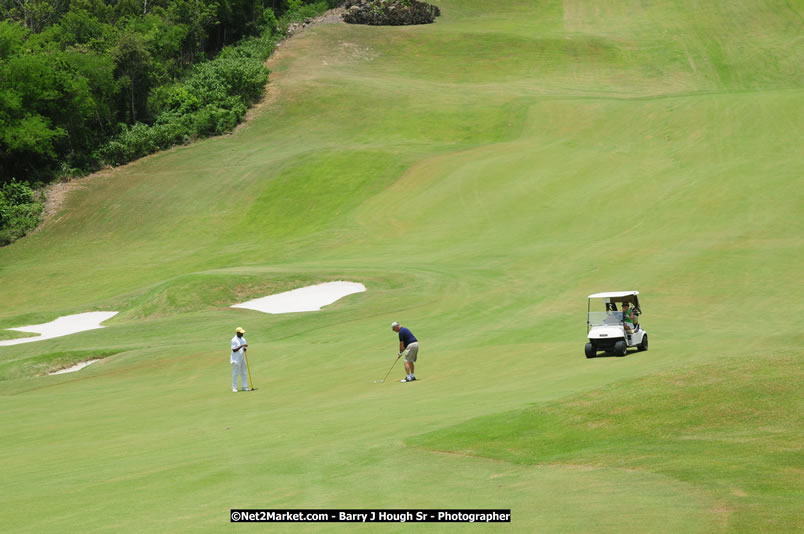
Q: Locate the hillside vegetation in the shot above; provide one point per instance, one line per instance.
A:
(481, 176)
(85, 84)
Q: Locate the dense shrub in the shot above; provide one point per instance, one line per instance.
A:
(240, 77)
(140, 140)
(259, 48)
(389, 12)
(212, 101)
(297, 10)
(20, 211)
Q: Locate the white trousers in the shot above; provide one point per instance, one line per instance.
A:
(241, 369)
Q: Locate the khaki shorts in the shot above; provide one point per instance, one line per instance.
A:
(411, 352)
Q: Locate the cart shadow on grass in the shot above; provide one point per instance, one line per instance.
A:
(614, 355)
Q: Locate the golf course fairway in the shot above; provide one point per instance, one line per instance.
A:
(480, 176)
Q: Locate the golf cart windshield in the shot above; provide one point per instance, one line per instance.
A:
(597, 318)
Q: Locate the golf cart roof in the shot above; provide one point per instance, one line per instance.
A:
(613, 294)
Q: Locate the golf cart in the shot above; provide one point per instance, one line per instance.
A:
(605, 328)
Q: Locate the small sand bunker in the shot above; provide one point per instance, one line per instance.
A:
(310, 298)
(74, 368)
(63, 326)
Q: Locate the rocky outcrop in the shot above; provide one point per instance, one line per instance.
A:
(389, 12)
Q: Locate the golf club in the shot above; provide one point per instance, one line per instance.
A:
(250, 383)
(389, 370)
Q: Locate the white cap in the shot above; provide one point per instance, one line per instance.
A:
(394, 325)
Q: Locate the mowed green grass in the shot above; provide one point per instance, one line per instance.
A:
(480, 176)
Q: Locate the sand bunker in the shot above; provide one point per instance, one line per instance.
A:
(311, 298)
(75, 367)
(63, 326)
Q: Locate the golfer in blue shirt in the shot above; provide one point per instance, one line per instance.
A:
(409, 347)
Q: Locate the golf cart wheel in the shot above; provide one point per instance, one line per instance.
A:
(620, 349)
(590, 350)
(644, 345)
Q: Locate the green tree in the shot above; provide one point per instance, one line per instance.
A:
(46, 102)
(133, 73)
(35, 15)
(27, 136)
(80, 27)
(99, 9)
(99, 118)
(11, 38)
(200, 18)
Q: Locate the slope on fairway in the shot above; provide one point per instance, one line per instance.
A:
(719, 426)
(480, 176)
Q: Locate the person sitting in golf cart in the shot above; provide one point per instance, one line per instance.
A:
(629, 318)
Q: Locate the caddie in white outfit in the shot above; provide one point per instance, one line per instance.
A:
(238, 360)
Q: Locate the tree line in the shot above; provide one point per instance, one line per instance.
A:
(88, 83)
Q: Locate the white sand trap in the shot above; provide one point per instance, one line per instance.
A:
(63, 326)
(75, 367)
(310, 298)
